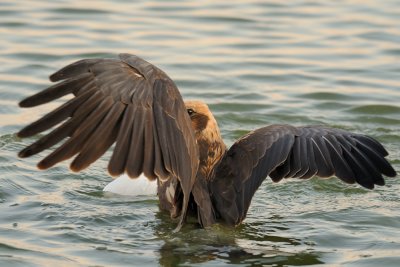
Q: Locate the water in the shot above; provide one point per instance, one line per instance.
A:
(255, 63)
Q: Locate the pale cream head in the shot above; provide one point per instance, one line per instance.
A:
(200, 115)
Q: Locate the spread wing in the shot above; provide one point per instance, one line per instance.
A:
(283, 151)
(126, 101)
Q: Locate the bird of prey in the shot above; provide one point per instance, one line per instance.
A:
(136, 106)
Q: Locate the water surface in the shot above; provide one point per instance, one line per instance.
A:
(255, 63)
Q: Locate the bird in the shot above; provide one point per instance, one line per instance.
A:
(134, 107)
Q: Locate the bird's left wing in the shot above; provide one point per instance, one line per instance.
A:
(284, 151)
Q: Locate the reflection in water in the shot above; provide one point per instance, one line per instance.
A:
(243, 245)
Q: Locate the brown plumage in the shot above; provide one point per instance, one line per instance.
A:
(132, 103)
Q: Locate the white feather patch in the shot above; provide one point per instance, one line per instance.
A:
(126, 186)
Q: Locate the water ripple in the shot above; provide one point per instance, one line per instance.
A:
(376, 109)
(255, 63)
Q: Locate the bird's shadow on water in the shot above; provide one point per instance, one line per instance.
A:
(241, 245)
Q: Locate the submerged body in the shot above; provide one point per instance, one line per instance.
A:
(132, 103)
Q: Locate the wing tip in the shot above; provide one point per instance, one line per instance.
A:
(380, 182)
(369, 186)
(78, 166)
(43, 165)
(133, 173)
(390, 172)
(23, 103)
(75, 169)
(25, 132)
(57, 76)
(20, 134)
(110, 170)
(123, 56)
(26, 103)
(113, 172)
(24, 153)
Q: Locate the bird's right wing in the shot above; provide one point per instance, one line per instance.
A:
(284, 151)
(126, 101)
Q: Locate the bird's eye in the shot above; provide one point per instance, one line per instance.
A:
(190, 111)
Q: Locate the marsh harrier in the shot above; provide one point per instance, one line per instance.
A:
(132, 103)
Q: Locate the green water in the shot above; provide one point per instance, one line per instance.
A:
(335, 63)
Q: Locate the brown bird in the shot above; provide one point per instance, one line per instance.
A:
(132, 103)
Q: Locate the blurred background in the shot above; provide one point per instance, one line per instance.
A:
(335, 63)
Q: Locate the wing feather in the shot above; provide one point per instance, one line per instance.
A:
(380, 163)
(126, 101)
(372, 143)
(340, 165)
(75, 69)
(56, 91)
(304, 154)
(80, 136)
(134, 164)
(106, 134)
(295, 163)
(310, 160)
(117, 163)
(56, 116)
(322, 159)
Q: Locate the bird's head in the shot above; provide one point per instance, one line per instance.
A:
(208, 137)
(201, 117)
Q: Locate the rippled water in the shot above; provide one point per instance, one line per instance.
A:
(256, 63)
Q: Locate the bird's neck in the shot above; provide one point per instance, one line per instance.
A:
(211, 148)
